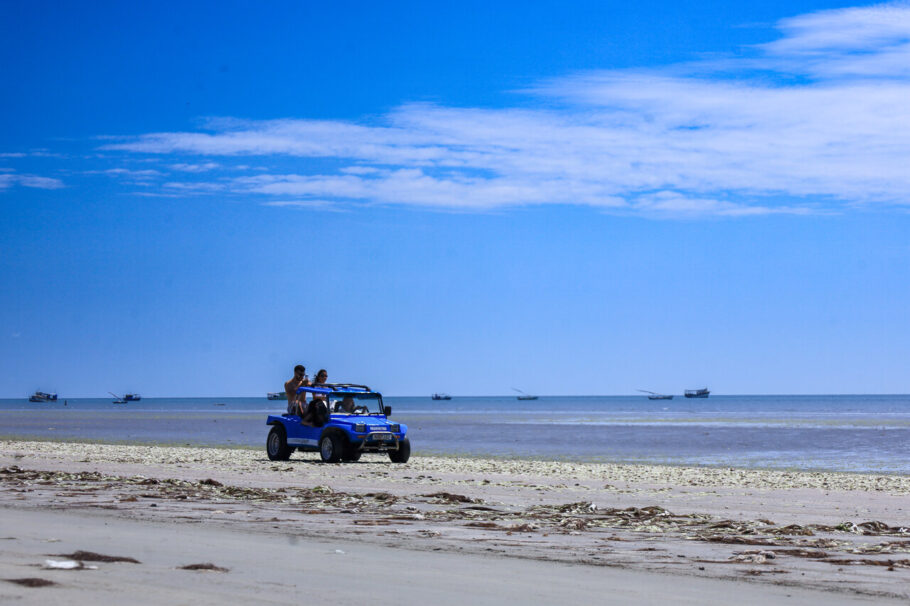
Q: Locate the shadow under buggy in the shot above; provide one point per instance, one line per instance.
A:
(352, 420)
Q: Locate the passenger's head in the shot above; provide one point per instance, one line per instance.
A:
(347, 405)
(322, 376)
(299, 371)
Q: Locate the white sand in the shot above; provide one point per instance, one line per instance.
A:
(448, 528)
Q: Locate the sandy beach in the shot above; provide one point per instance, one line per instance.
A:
(442, 528)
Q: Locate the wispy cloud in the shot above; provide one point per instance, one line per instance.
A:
(813, 121)
(194, 168)
(128, 173)
(11, 178)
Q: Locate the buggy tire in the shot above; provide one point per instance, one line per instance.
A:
(403, 453)
(352, 455)
(331, 448)
(276, 445)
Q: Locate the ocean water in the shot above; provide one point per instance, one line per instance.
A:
(838, 433)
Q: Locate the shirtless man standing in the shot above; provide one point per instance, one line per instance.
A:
(296, 403)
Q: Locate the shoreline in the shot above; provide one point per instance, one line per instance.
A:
(829, 531)
(897, 479)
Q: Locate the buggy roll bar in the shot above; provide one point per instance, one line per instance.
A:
(326, 389)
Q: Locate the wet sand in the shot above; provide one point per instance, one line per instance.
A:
(540, 530)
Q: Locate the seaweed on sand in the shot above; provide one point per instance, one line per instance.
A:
(31, 582)
(91, 556)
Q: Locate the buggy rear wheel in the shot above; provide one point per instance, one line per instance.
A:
(276, 445)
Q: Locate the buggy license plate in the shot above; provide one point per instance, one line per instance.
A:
(380, 436)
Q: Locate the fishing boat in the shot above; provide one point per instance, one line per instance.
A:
(697, 393)
(40, 396)
(441, 396)
(653, 395)
(524, 396)
(118, 399)
(276, 395)
(132, 397)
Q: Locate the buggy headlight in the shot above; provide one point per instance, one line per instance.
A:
(360, 427)
(396, 428)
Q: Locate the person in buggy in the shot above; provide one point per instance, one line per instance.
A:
(315, 413)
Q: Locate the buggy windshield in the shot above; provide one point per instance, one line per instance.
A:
(346, 398)
(355, 403)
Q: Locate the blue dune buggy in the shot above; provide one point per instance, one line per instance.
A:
(355, 421)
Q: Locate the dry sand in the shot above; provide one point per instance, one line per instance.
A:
(445, 529)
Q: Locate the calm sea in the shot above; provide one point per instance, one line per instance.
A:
(845, 433)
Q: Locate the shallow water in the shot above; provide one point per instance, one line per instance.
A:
(840, 433)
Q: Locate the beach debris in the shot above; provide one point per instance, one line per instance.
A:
(574, 524)
(490, 525)
(91, 556)
(869, 562)
(206, 567)
(67, 565)
(887, 547)
(760, 571)
(580, 507)
(339, 551)
(803, 553)
(754, 557)
(734, 539)
(868, 528)
(383, 497)
(448, 497)
(31, 582)
(210, 482)
(522, 528)
(793, 529)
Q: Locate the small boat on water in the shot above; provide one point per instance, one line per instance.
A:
(132, 397)
(118, 399)
(697, 393)
(40, 396)
(441, 396)
(276, 395)
(524, 396)
(653, 395)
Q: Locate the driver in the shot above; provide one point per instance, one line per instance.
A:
(346, 405)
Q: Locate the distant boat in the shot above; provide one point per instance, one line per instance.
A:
(40, 396)
(697, 393)
(119, 399)
(524, 396)
(218, 404)
(441, 396)
(276, 395)
(132, 397)
(652, 395)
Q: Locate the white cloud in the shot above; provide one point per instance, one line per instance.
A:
(732, 138)
(128, 173)
(309, 204)
(9, 179)
(195, 168)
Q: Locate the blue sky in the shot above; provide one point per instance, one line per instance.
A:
(570, 199)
